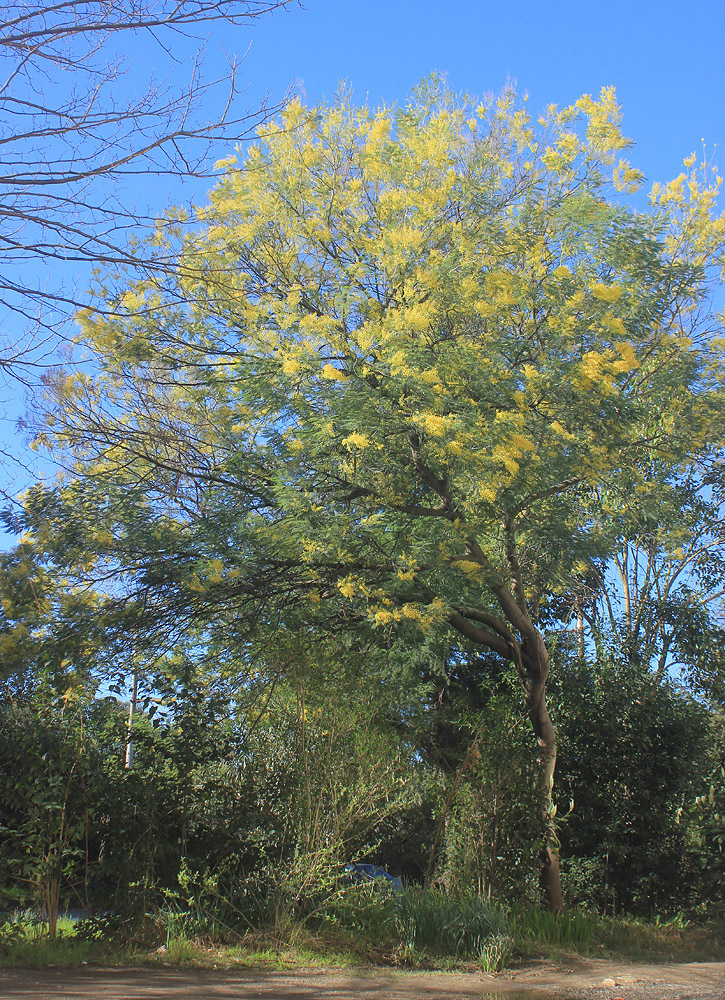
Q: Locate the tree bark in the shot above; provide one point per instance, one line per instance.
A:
(535, 697)
(128, 760)
(532, 660)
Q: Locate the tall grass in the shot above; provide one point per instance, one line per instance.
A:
(542, 932)
(573, 930)
(415, 927)
(418, 922)
(453, 925)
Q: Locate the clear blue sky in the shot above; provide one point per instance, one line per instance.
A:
(666, 60)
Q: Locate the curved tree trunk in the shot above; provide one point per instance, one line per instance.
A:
(515, 636)
(535, 696)
(532, 661)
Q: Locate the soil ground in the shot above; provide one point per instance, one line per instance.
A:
(569, 979)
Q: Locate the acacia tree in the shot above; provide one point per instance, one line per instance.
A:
(393, 375)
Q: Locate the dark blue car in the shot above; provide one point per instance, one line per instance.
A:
(361, 872)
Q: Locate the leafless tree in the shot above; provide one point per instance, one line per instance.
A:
(76, 126)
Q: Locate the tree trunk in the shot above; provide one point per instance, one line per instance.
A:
(535, 694)
(532, 662)
(128, 761)
(52, 903)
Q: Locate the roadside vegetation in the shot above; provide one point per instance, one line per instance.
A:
(391, 531)
(421, 929)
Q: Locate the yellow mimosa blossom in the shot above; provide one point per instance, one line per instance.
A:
(487, 492)
(607, 293)
(615, 324)
(356, 440)
(411, 611)
(334, 374)
(559, 429)
(216, 571)
(433, 424)
(629, 360)
(467, 566)
(521, 442)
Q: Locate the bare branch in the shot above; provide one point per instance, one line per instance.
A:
(67, 139)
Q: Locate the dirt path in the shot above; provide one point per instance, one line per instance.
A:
(578, 977)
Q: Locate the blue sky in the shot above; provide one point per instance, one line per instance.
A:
(666, 60)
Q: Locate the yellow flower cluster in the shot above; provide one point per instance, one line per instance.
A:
(347, 587)
(607, 293)
(433, 423)
(467, 566)
(559, 429)
(334, 374)
(615, 324)
(356, 440)
(629, 359)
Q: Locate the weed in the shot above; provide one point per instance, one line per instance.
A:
(495, 953)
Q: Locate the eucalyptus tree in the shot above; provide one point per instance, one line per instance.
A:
(659, 602)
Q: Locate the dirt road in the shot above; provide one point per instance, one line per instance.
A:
(578, 977)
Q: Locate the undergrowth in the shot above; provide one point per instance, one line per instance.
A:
(541, 932)
(415, 928)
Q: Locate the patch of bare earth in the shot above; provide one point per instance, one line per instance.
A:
(573, 978)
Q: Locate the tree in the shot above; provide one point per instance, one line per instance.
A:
(662, 603)
(392, 376)
(74, 131)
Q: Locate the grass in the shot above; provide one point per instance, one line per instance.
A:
(24, 942)
(433, 923)
(421, 929)
(541, 933)
(181, 951)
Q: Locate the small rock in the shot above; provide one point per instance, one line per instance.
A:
(627, 980)
(609, 982)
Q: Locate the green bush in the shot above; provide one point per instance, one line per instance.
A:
(631, 752)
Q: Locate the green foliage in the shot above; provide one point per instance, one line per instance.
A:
(631, 752)
(443, 923)
(44, 802)
(706, 831)
(323, 771)
(490, 833)
(24, 940)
